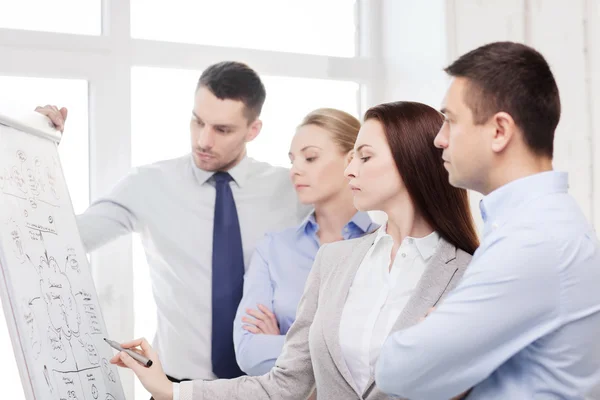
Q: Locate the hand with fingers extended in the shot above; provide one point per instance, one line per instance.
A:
(153, 378)
(56, 115)
(264, 321)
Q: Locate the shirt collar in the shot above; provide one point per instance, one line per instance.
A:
(360, 223)
(239, 172)
(497, 205)
(426, 245)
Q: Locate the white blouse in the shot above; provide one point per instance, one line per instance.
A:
(377, 297)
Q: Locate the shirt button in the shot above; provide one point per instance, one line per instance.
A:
(410, 241)
(403, 255)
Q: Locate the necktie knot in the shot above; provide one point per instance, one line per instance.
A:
(222, 177)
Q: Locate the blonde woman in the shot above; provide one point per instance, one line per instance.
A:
(319, 153)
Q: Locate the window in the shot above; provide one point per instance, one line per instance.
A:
(150, 108)
(308, 26)
(160, 128)
(65, 16)
(288, 101)
(23, 92)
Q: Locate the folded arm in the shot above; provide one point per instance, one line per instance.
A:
(505, 302)
(292, 377)
(256, 353)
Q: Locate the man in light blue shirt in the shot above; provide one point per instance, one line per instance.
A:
(524, 322)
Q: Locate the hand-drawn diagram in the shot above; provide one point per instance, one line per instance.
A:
(88, 344)
(58, 313)
(56, 292)
(16, 235)
(110, 375)
(72, 260)
(34, 337)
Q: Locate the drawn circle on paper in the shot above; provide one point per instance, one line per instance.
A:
(94, 391)
(50, 219)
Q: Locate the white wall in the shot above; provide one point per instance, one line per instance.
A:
(420, 38)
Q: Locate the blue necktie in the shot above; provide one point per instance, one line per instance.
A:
(227, 278)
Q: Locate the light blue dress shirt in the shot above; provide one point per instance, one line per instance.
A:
(524, 323)
(276, 277)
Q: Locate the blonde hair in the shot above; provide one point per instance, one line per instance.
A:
(343, 126)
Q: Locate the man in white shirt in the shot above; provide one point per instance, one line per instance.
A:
(193, 214)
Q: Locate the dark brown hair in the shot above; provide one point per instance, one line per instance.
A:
(410, 129)
(230, 80)
(516, 79)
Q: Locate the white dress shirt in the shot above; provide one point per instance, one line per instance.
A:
(171, 205)
(377, 297)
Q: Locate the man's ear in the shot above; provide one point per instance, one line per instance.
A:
(254, 130)
(504, 131)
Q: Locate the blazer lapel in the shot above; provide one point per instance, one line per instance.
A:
(433, 283)
(340, 282)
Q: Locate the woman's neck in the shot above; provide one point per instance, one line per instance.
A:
(332, 216)
(404, 220)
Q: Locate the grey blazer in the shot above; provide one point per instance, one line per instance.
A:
(312, 355)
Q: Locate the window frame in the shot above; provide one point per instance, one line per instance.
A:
(105, 61)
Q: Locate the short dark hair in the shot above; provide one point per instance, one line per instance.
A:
(516, 79)
(410, 129)
(235, 81)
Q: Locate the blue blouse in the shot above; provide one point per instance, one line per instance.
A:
(275, 278)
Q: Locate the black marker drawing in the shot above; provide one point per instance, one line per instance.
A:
(57, 349)
(58, 314)
(34, 185)
(108, 371)
(17, 240)
(38, 174)
(32, 329)
(18, 180)
(51, 177)
(72, 260)
(56, 292)
(21, 156)
(4, 178)
(88, 344)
